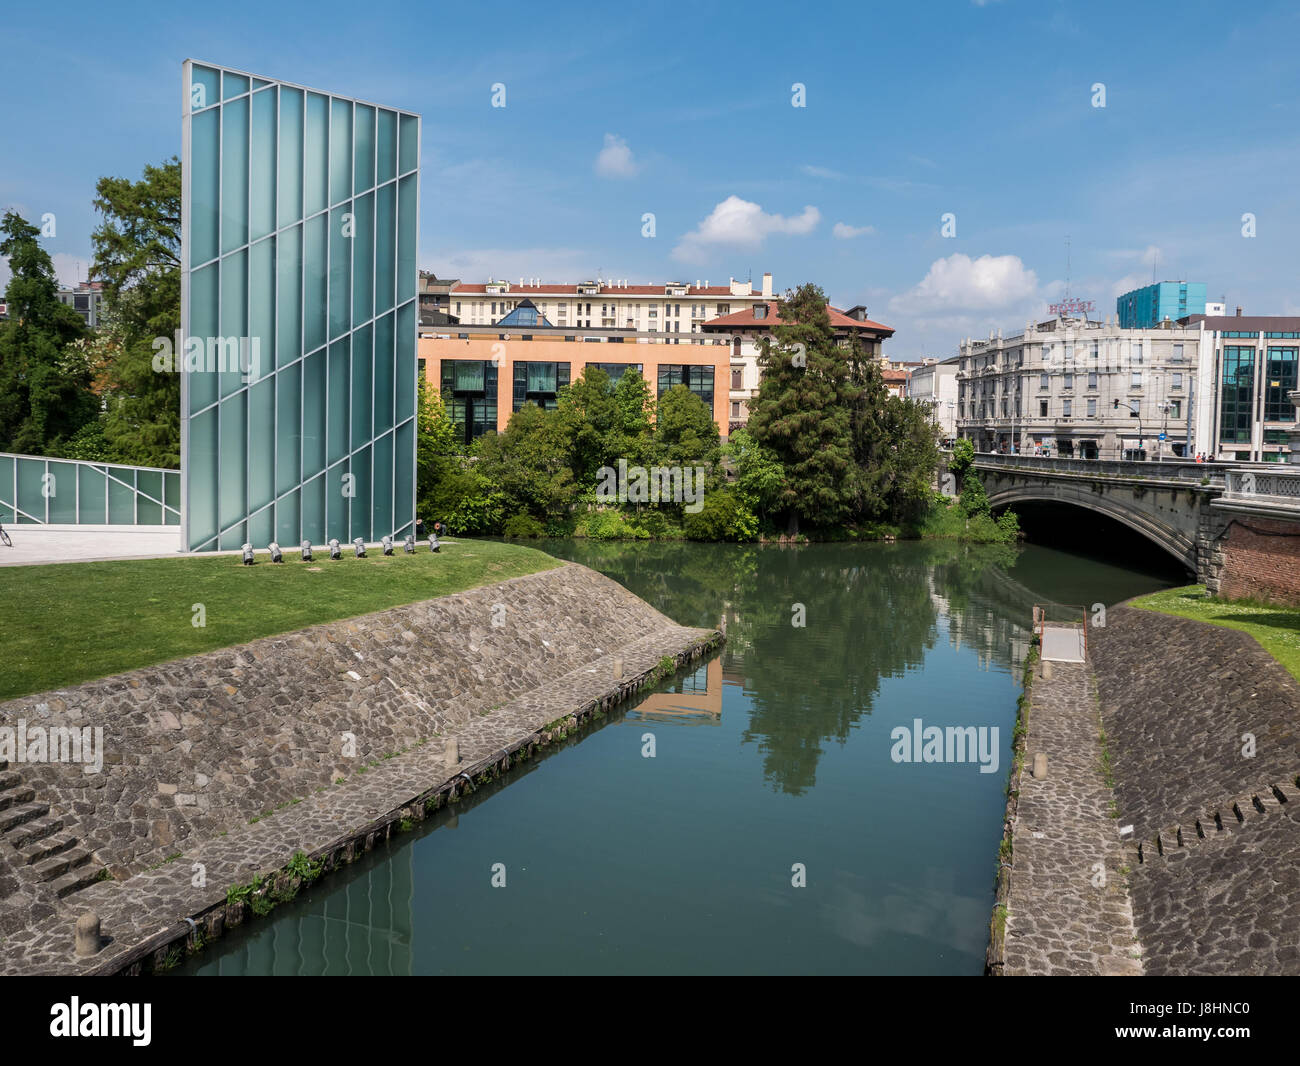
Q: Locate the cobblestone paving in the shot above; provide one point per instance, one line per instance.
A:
(1218, 887)
(254, 728)
(1069, 911)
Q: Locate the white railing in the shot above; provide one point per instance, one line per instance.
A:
(1263, 486)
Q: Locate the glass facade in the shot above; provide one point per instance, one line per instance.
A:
(70, 492)
(300, 218)
(1238, 392)
(539, 383)
(469, 390)
(699, 379)
(1279, 379)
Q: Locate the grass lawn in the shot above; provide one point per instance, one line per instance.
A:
(1276, 628)
(71, 622)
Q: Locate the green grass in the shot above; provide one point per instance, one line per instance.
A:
(70, 622)
(1277, 629)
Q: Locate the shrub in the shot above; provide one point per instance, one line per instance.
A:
(612, 525)
(656, 524)
(523, 525)
(723, 517)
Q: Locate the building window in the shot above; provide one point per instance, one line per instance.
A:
(1092, 379)
(1042, 381)
(1137, 352)
(1092, 407)
(1135, 408)
(1177, 382)
(1069, 381)
(736, 378)
(1135, 379)
(469, 389)
(1042, 408)
(1065, 407)
(1178, 353)
(1279, 379)
(1175, 408)
(735, 408)
(539, 383)
(760, 311)
(699, 379)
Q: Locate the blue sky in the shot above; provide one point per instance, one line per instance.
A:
(979, 109)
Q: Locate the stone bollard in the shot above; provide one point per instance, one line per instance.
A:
(451, 753)
(87, 937)
(1040, 765)
(618, 669)
(1047, 670)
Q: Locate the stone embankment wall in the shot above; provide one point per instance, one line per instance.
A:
(1257, 559)
(199, 747)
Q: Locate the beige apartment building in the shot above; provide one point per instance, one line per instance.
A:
(1080, 388)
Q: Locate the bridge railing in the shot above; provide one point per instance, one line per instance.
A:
(1192, 473)
(1264, 486)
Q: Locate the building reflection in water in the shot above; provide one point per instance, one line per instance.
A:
(695, 699)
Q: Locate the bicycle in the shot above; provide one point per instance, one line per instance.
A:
(5, 537)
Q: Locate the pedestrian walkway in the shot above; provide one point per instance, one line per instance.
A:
(1069, 911)
(33, 544)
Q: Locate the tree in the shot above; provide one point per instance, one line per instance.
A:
(137, 256)
(963, 457)
(684, 433)
(45, 395)
(529, 464)
(758, 472)
(803, 411)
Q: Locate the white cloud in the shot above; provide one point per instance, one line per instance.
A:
(615, 159)
(737, 223)
(961, 283)
(845, 232)
(821, 172)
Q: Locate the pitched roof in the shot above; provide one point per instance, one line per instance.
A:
(570, 288)
(745, 317)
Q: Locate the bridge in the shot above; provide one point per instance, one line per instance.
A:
(1179, 506)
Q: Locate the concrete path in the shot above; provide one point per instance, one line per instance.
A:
(36, 544)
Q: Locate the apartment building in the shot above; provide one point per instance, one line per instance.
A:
(673, 309)
(1081, 388)
(744, 330)
(85, 298)
(934, 382)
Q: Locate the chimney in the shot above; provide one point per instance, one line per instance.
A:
(1238, 312)
(767, 284)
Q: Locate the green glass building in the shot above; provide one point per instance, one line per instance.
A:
(300, 213)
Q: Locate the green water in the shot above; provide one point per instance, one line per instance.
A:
(772, 757)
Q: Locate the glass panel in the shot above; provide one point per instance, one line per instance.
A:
(359, 504)
(469, 375)
(201, 466)
(233, 84)
(261, 213)
(340, 271)
(290, 156)
(313, 511)
(261, 443)
(234, 175)
(261, 309)
(172, 489)
(229, 352)
(61, 487)
(406, 362)
(410, 144)
(149, 482)
(147, 513)
(261, 527)
(382, 498)
(314, 279)
(340, 150)
(385, 247)
(363, 176)
(386, 145)
(404, 463)
(315, 158)
(313, 414)
(541, 377)
(234, 460)
(31, 502)
(288, 297)
(337, 422)
(406, 234)
(121, 501)
(384, 360)
(205, 322)
(233, 537)
(205, 87)
(286, 521)
(338, 495)
(362, 405)
(288, 438)
(205, 160)
(7, 489)
(363, 258)
(92, 489)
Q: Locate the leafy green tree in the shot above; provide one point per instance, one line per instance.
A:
(803, 412)
(589, 415)
(909, 462)
(137, 256)
(529, 464)
(684, 433)
(963, 458)
(45, 395)
(758, 472)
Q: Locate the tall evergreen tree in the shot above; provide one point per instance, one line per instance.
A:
(45, 395)
(137, 255)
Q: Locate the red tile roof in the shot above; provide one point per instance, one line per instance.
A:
(745, 317)
(570, 288)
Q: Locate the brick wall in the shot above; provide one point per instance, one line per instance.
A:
(1261, 561)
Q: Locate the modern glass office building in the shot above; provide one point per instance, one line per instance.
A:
(298, 307)
(1147, 307)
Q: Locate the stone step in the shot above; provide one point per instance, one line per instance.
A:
(14, 796)
(43, 849)
(20, 813)
(62, 863)
(34, 829)
(9, 779)
(76, 879)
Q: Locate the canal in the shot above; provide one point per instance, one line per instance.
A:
(771, 831)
